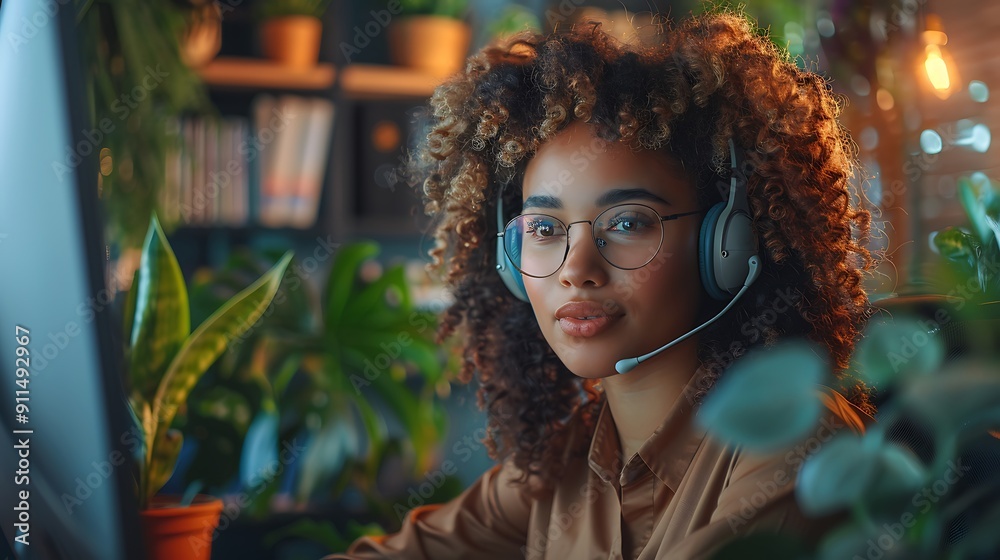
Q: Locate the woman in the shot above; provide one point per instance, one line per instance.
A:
(610, 165)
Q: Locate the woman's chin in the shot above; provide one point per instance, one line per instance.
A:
(587, 369)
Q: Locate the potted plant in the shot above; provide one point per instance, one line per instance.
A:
(430, 35)
(327, 374)
(201, 38)
(924, 481)
(291, 30)
(126, 46)
(164, 361)
(972, 258)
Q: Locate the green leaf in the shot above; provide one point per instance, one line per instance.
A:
(191, 492)
(342, 277)
(377, 431)
(148, 425)
(410, 411)
(311, 530)
(289, 367)
(260, 449)
(513, 19)
(766, 400)
(268, 9)
(975, 207)
(957, 246)
(454, 9)
(992, 219)
(837, 476)
(424, 356)
(960, 401)
(217, 445)
(373, 298)
(898, 477)
(165, 451)
(209, 341)
(330, 446)
(896, 349)
(161, 319)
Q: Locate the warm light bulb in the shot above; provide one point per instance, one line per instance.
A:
(937, 69)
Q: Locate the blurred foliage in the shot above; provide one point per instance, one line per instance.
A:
(454, 9)
(136, 83)
(268, 9)
(924, 481)
(759, 404)
(323, 534)
(512, 19)
(921, 483)
(349, 381)
(785, 21)
(973, 257)
(238, 387)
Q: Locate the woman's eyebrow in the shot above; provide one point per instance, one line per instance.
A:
(612, 197)
(542, 201)
(616, 196)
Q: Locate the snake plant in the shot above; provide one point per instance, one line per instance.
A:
(165, 358)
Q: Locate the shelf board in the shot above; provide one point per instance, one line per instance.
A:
(368, 80)
(248, 73)
(243, 231)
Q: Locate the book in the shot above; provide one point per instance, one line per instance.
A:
(315, 155)
(281, 180)
(259, 148)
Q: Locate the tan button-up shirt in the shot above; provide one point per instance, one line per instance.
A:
(683, 495)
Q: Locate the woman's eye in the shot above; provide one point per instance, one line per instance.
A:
(627, 224)
(541, 229)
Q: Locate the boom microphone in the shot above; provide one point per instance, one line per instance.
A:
(626, 365)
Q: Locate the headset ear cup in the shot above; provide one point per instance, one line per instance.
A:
(516, 281)
(706, 244)
(505, 268)
(510, 275)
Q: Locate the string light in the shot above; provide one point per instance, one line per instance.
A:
(938, 65)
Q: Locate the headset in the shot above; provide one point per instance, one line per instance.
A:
(727, 252)
(510, 275)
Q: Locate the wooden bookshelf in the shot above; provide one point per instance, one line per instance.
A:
(251, 73)
(374, 80)
(357, 80)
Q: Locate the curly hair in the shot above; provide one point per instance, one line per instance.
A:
(705, 80)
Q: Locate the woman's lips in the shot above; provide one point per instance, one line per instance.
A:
(586, 328)
(584, 318)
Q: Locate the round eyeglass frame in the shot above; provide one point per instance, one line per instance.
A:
(663, 218)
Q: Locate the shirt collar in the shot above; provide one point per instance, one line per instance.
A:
(667, 452)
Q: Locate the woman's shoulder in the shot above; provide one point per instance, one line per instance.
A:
(838, 417)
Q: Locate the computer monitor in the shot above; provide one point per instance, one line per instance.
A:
(66, 489)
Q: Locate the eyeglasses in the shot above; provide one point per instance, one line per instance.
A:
(628, 236)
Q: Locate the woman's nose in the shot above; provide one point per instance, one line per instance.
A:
(584, 264)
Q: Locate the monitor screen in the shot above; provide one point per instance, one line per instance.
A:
(67, 488)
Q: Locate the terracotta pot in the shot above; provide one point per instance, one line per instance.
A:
(433, 44)
(292, 40)
(202, 37)
(172, 532)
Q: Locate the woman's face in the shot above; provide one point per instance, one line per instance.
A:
(637, 310)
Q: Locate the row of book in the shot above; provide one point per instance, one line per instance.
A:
(265, 169)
